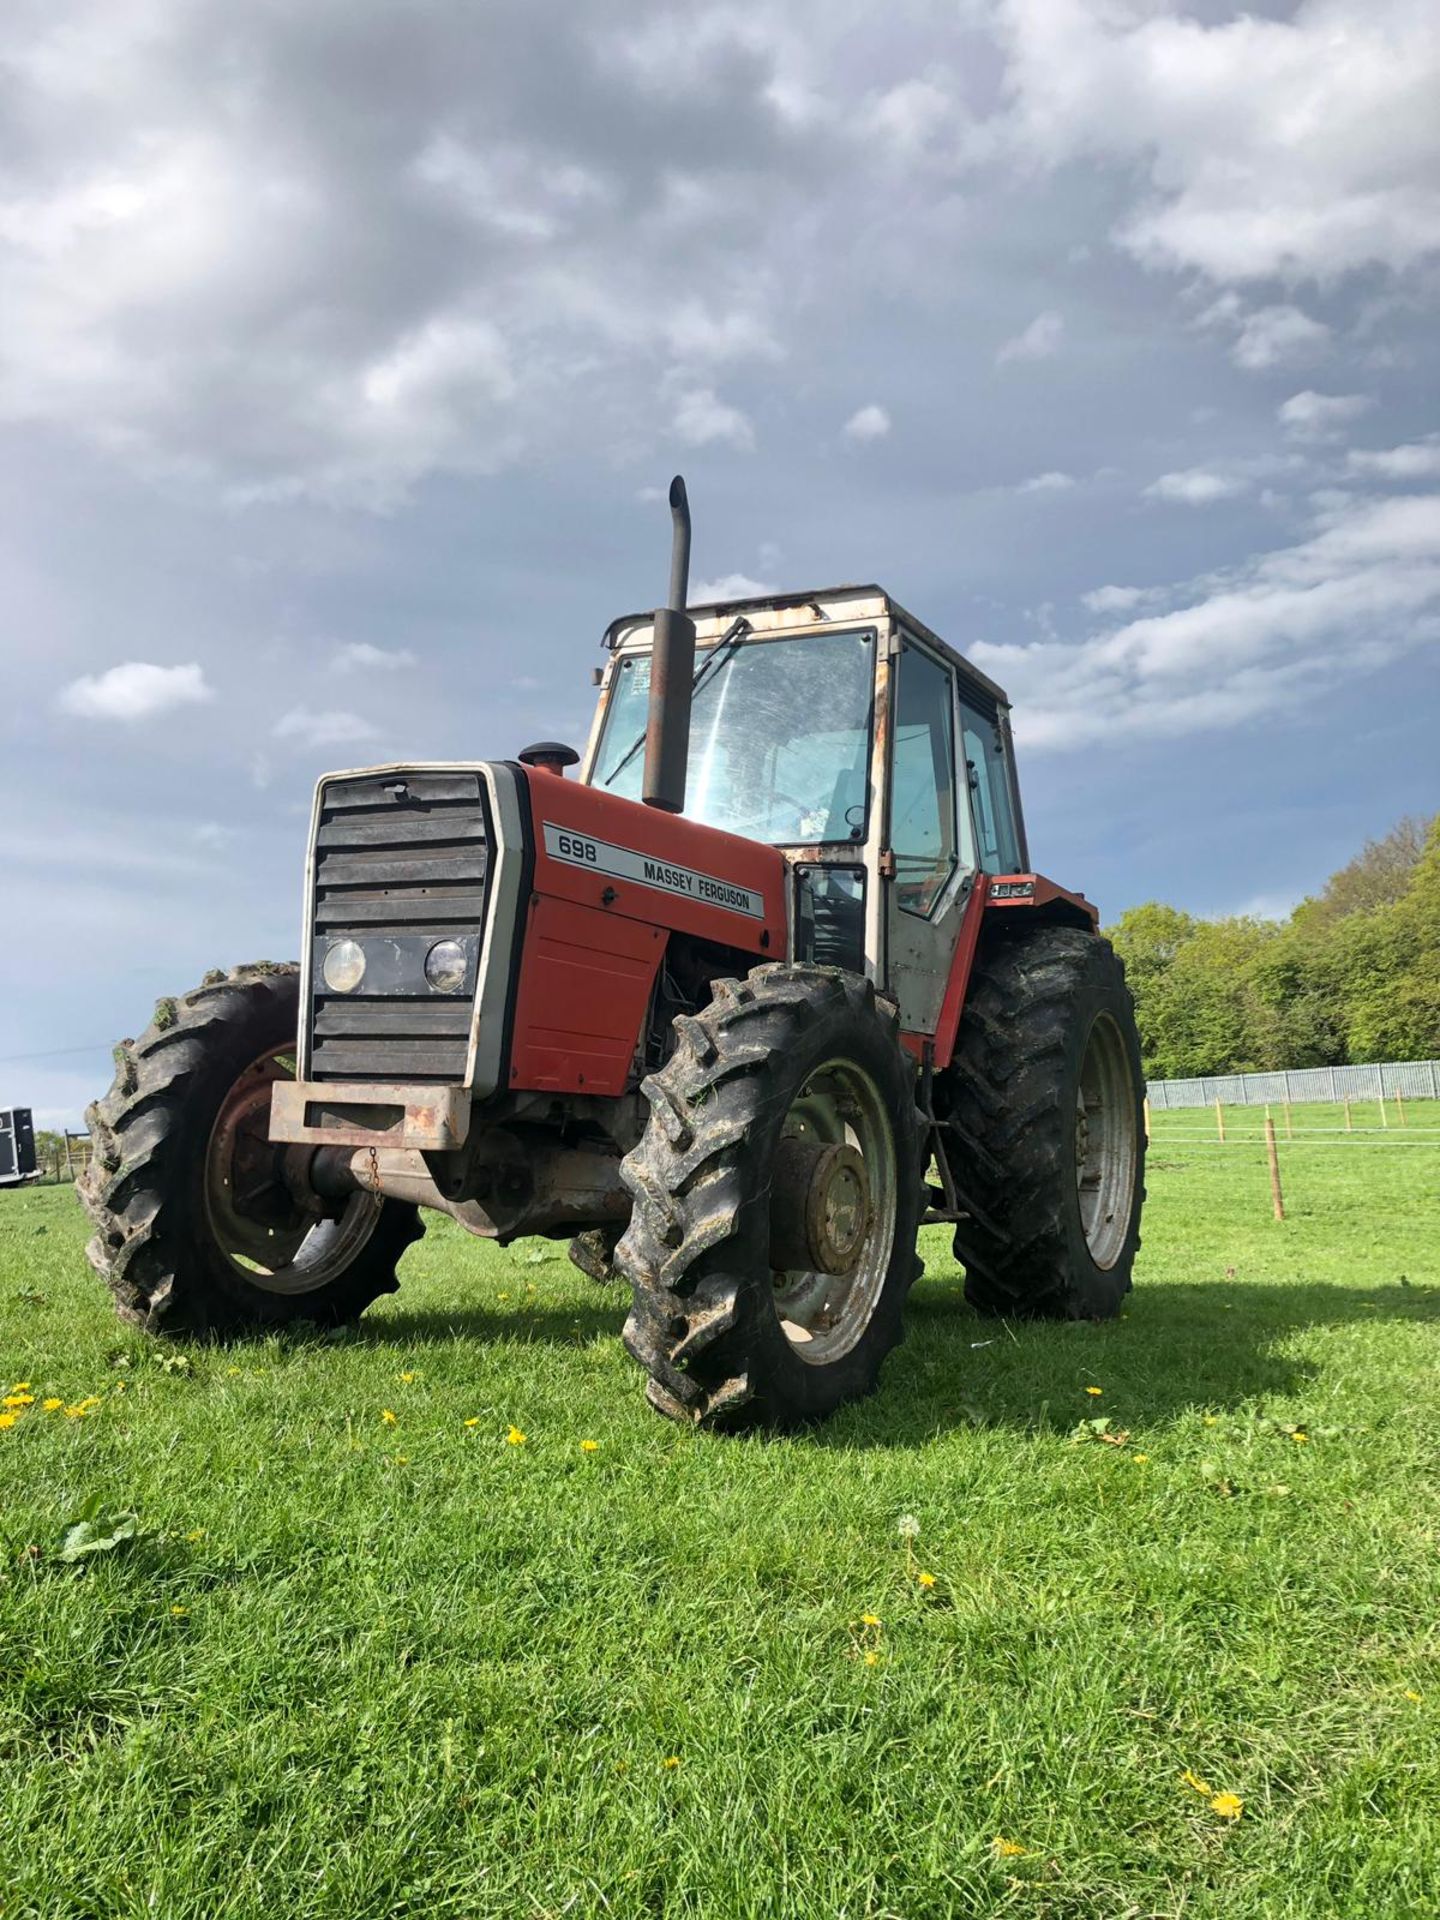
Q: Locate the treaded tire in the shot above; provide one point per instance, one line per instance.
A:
(704, 1321)
(1012, 1090)
(144, 1189)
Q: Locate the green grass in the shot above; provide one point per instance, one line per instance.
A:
(353, 1669)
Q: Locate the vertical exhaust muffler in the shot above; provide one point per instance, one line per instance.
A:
(672, 673)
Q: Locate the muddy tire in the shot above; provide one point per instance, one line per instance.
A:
(197, 1230)
(791, 1068)
(1047, 1093)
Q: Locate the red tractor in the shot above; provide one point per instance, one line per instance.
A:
(768, 986)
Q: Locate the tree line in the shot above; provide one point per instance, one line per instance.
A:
(1352, 976)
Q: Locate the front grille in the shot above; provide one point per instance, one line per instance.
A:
(401, 861)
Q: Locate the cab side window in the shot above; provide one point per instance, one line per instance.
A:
(983, 750)
(922, 798)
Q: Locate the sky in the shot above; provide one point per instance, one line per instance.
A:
(346, 351)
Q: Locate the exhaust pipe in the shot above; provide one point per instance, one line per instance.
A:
(672, 672)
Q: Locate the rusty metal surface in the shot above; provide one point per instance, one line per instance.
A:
(333, 1113)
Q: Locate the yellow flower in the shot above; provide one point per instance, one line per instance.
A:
(671, 1760)
(872, 1658)
(1095, 1392)
(388, 1419)
(1210, 1420)
(15, 1400)
(7, 1419)
(179, 1612)
(503, 1296)
(76, 1412)
(407, 1379)
(589, 1446)
(514, 1438)
(1411, 1694)
(1193, 1780)
(1229, 1806)
(402, 1459)
(21, 1386)
(195, 1533)
(232, 1373)
(870, 1620)
(1301, 1439)
(926, 1579)
(52, 1404)
(1140, 1459)
(473, 1423)
(1006, 1849)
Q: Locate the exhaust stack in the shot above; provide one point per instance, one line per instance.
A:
(672, 671)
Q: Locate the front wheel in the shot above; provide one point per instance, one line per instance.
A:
(201, 1224)
(776, 1200)
(1046, 1094)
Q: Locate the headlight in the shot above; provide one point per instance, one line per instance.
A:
(445, 966)
(344, 966)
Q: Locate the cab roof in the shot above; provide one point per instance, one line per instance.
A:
(713, 616)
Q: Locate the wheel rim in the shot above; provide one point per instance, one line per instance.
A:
(823, 1314)
(1105, 1142)
(262, 1219)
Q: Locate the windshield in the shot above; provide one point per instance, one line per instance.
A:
(779, 737)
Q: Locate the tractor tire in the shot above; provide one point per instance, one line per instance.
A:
(197, 1230)
(1046, 1093)
(809, 1057)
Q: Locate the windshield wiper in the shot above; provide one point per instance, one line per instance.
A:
(737, 631)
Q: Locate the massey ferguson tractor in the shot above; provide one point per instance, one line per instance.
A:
(767, 987)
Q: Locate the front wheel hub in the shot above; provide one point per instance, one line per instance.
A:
(819, 1206)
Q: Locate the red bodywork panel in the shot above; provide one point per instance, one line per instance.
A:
(613, 879)
(1000, 893)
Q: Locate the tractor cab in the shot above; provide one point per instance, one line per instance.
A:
(839, 729)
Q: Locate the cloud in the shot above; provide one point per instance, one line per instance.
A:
(1038, 341)
(329, 728)
(1250, 642)
(360, 654)
(729, 586)
(1269, 337)
(135, 691)
(1113, 599)
(1320, 416)
(868, 423)
(1419, 461)
(1052, 482)
(1298, 148)
(1196, 487)
(702, 419)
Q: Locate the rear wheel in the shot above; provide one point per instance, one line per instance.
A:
(776, 1199)
(202, 1225)
(1047, 1093)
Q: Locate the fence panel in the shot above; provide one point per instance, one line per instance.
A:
(1412, 1079)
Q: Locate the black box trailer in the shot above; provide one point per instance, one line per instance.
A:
(17, 1146)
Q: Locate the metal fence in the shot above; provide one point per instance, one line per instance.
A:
(1412, 1079)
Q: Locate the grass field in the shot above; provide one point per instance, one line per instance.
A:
(361, 1668)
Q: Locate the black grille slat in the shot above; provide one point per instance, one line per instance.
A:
(403, 854)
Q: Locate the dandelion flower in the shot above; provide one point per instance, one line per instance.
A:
(14, 1401)
(77, 1412)
(671, 1760)
(388, 1419)
(1193, 1781)
(473, 1422)
(589, 1446)
(407, 1379)
(502, 1296)
(52, 1405)
(908, 1527)
(1229, 1806)
(870, 1620)
(872, 1658)
(1095, 1392)
(926, 1579)
(195, 1533)
(1140, 1459)
(514, 1438)
(402, 1459)
(1210, 1420)
(1006, 1849)
(7, 1419)
(1300, 1439)
(1411, 1694)
(179, 1612)
(21, 1386)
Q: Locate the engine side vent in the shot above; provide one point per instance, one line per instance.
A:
(401, 860)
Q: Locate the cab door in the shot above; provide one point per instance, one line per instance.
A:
(929, 857)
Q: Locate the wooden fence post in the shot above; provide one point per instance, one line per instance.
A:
(1220, 1122)
(1384, 1116)
(69, 1163)
(1399, 1107)
(1349, 1128)
(1147, 1116)
(1276, 1196)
